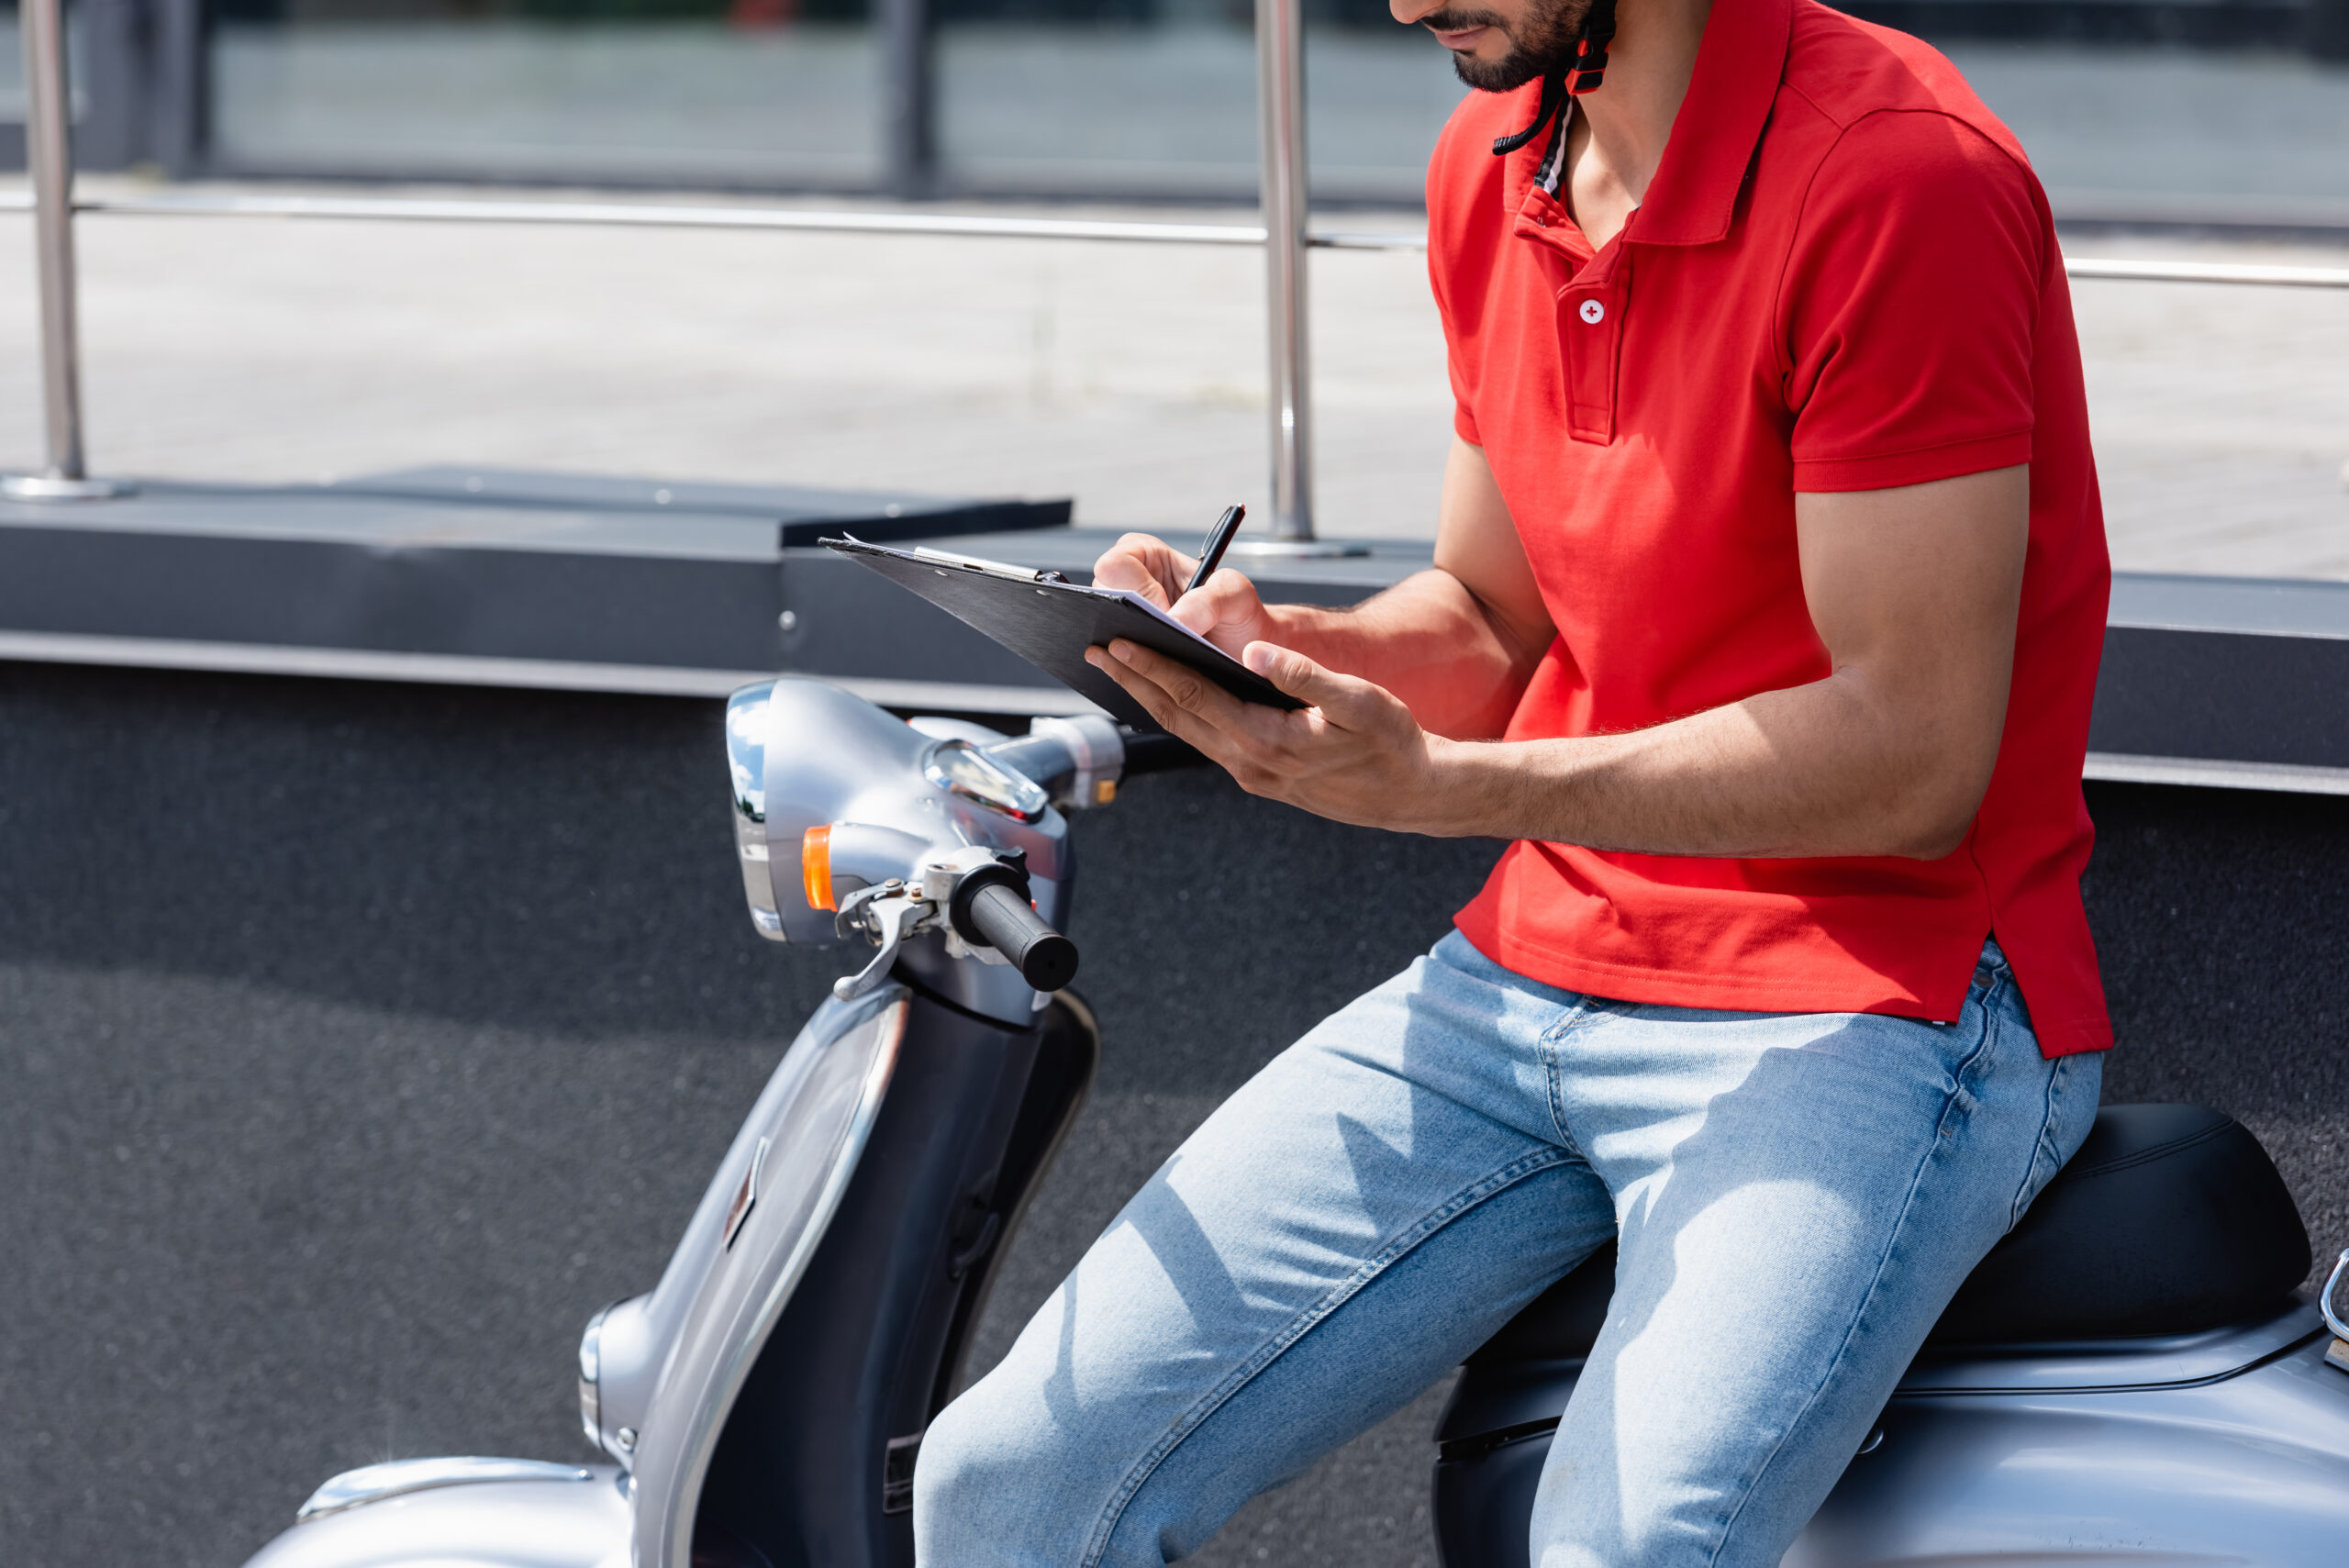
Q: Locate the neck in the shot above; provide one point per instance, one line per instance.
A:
(1648, 67)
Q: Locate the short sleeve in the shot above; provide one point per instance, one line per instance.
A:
(1462, 186)
(1910, 310)
(1464, 408)
(1464, 419)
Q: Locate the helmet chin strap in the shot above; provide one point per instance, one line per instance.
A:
(1585, 75)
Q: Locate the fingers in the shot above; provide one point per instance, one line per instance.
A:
(1225, 609)
(1234, 734)
(1169, 688)
(1349, 755)
(1141, 564)
(1346, 701)
(1201, 737)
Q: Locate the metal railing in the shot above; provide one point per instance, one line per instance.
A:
(665, 215)
(949, 226)
(50, 159)
(1284, 236)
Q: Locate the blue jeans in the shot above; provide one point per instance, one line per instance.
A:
(1797, 1196)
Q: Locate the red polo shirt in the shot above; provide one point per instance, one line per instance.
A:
(1844, 277)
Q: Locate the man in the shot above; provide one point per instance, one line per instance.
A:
(1769, 586)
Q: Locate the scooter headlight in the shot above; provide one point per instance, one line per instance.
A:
(591, 1376)
(832, 795)
(747, 717)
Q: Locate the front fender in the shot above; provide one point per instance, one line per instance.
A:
(497, 1524)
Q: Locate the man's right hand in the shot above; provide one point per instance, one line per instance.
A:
(1225, 610)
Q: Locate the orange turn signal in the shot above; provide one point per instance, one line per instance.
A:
(815, 866)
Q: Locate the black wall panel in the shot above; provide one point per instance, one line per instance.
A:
(357, 1041)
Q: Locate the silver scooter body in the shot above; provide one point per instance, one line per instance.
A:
(2225, 1447)
(2230, 1446)
(660, 1373)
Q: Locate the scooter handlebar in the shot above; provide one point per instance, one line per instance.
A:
(1045, 958)
(1152, 753)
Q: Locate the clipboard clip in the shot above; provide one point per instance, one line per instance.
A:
(956, 558)
(992, 568)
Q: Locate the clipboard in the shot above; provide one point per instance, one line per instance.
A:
(1051, 621)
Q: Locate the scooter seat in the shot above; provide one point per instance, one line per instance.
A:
(2171, 1219)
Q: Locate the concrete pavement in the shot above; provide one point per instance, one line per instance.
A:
(1128, 376)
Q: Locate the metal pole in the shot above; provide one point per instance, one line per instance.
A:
(1280, 90)
(175, 105)
(49, 153)
(909, 97)
(1280, 95)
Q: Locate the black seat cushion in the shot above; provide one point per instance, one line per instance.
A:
(2169, 1221)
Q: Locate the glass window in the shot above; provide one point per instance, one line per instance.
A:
(757, 92)
(2194, 134)
(12, 63)
(2139, 131)
(1158, 98)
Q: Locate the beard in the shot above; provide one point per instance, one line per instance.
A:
(1543, 46)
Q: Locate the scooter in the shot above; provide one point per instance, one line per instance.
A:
(2131, 1376)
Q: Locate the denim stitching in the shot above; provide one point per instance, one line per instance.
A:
(1336, 1296)
(2058, 1077)
(1884, 1260)
(1581, 1016)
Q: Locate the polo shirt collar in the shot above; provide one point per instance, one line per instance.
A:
(1738, 65)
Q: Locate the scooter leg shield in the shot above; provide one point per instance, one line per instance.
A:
(816, 1461)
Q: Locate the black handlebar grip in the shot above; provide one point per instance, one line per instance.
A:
(1044, 958)
(1151, 753)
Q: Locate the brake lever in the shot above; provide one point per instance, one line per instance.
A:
(849, 920)
(895, 919)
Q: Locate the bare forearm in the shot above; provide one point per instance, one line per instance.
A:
(1825, 769)
(1914, 593)
(1427, 640)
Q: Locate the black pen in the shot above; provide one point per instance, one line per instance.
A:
(1218, 539)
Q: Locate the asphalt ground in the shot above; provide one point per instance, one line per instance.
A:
(359, 1040)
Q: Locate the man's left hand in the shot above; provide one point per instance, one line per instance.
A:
(1355, 754)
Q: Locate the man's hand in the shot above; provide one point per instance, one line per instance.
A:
(1914, 593)
(1455, 644)
(1226, 610)
(1355, 755)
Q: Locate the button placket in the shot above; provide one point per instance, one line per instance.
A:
(1590, 322)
